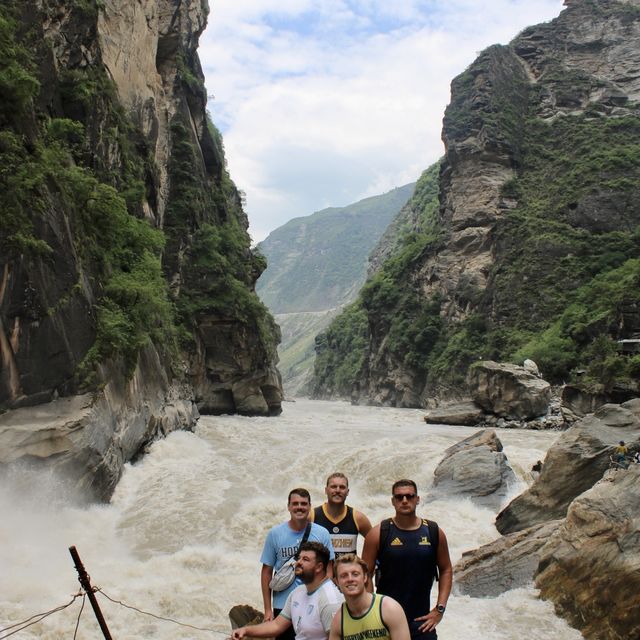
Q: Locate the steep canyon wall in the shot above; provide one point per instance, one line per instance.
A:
(530, 248)
(127, 275)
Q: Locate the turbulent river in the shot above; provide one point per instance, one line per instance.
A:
(182, 535)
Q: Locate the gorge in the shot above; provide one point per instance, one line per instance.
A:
(127, 302)
(528, 247)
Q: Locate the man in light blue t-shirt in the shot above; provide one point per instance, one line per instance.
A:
(282, 542)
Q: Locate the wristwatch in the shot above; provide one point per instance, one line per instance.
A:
(440, 608)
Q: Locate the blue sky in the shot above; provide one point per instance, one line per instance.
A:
(325, 102)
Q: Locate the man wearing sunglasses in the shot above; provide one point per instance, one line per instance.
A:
(409, 553)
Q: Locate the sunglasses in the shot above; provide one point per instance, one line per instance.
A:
(401, 496)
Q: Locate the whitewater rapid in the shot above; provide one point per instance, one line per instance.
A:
(183, 533)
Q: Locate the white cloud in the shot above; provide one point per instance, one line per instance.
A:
(324, 102)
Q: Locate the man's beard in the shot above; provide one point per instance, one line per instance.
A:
(306, 576)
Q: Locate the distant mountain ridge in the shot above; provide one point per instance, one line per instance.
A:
(527, 246)
(319, 262)
(316, 265)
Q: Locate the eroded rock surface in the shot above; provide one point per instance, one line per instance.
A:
(87, 439)
(459, 413)
(577, 460)
(508, 390)
(475, 467)
(590, 568)
(510, 562)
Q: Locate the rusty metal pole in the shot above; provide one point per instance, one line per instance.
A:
(85, 582)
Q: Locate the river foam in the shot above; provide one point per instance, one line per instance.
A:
(182, 535)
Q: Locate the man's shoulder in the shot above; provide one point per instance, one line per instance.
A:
(282, 527)
(330, 591)
(318, 530)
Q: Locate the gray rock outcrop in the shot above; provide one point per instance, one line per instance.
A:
(510, 562)
(459, 413)
(475, 467)
(87, 439)
(573, 465)
(586, 562)
(508, 390)
(590, 568)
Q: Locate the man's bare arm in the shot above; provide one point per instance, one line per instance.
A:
(364, 524)
(394, 618)
(370, 553)
(266, 574)
(445, 569)
(268, 629)
(443, 560)
(336, 626)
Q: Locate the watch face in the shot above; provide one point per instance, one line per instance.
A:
(440, 608)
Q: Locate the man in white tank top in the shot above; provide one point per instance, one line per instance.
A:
(310, 607)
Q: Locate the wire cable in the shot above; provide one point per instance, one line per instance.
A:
(32, 620)
(153, 615)
(84, 599)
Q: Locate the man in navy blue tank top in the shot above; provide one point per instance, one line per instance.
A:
(408, 560)
(343, 522)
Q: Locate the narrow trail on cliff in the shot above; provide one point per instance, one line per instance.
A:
(184, 530)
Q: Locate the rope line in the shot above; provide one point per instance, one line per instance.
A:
(84, 599)
(32, 620)
(153, 615)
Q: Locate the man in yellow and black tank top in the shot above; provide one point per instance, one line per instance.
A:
(342, 522)
(364, 615)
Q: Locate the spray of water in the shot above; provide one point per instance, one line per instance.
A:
(182, 535)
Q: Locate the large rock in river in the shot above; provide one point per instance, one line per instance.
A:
(590, 568)
(508, 390)
(460, 413)
(573, 465)
(510, 562)
(475, 467)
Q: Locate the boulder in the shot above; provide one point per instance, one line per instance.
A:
(242, 615)
(573, 465)
(531, 367)
(580, 402)
(508, 390)
(590, 568)
(462, 414)
(510, 562)
(475, 467)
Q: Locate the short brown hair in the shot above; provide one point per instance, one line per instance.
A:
(404, 483)
(303, 493)
(351, 558)
(337, 474)
(322, 553)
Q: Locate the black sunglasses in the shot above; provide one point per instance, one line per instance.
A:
(401, 496)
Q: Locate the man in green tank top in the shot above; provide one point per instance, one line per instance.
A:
(364, 615)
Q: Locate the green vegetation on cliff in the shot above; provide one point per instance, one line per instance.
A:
(564, 275)
(560, 274)
(318, 262)
(411, 322)
(78, 192)
(42, 170)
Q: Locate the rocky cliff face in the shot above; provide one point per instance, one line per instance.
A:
(124, 253)
(575, 531)
(532, 249)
